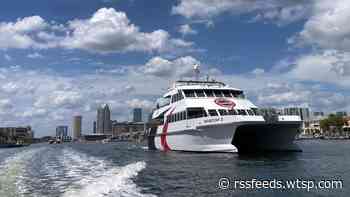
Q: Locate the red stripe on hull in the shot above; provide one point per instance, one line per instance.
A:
(163, 140)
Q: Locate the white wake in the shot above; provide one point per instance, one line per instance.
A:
(95, 177)
(13, 173)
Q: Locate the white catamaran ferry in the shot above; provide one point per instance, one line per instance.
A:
(210, 116)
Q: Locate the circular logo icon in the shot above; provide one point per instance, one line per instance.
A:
(225, 103)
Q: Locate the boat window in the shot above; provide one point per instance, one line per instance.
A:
(237, 94)
(227, 93)
(209, 93)
(161, 102)
(184, 115)
(250, 112)
(200, 93)
(177, 118)
(223, 112)
(241, 112)
(181, 96)
(232, 112)
(256, 111)
(213, 112)
(189, 93)
(218, 93)
(196, 112)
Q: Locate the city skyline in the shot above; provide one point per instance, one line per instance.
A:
(62, 58)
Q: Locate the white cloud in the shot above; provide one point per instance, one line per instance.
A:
(281, 12)
(35, 55)
(187, 30)
(258, 71)
(177, 68)
(330, 66)
(21, 33)
(327, 27)
(111, 31)
(10, 87)
(139, 103)
(5, 104)
(107, 31)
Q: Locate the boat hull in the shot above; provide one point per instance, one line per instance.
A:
(202, 139)
(266, 137)
(234, 137)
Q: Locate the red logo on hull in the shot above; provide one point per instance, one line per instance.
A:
(225, 103)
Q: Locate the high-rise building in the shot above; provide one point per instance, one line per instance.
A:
(104, 123)
(77, 127)
(318, 113)
(137, 112)
(94, 127)
(304, 113)
(61, 131)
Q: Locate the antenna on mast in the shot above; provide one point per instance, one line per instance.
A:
(196, 71)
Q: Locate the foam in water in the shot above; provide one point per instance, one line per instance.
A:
(12, 173)
(99, 177)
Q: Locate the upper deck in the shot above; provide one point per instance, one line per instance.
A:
(198, 85)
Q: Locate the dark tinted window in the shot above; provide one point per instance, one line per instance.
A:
(209, 93)
(195, 113)
(223, 112)
(241, 112)
(200, 93)
(256, 111)
(232, 112)
(227, 93)
(237, 94)
(250, 112)
(218, 93)
(213, 112)
(189, 93)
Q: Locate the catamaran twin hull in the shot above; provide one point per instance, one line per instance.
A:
(232, 137)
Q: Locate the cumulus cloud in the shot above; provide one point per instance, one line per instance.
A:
(281, 12)
(21, 34)
(329, 66)
(139, 103)
(106, 31)
(177, 68)
(327, 27)
(187, 30)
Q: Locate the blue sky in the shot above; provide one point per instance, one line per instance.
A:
(65, 57)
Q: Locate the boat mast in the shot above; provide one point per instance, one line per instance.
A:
(196, 71)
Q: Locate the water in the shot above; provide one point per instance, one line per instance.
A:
(124, 169)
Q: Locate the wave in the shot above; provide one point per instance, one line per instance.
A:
(13, 173)
(96, 177)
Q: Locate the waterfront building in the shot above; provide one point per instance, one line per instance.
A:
(61, 131)
(341, 113)
(137, 115)
(318, 113)
(22, 135)
(127, 128)
(304, 113)
(104, 123)
(77, 127)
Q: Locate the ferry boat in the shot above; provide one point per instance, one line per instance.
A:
(210, 116)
